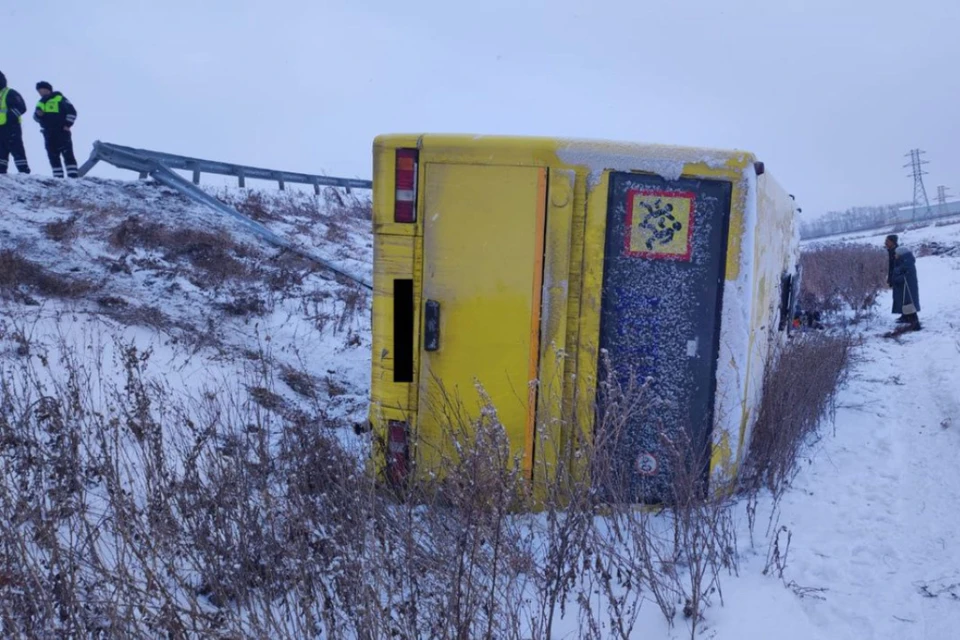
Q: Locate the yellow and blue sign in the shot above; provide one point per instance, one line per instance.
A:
(659, 224)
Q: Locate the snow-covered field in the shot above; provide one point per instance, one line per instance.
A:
(935, 229)
(872, 518)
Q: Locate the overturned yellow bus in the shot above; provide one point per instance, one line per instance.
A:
(505, 266)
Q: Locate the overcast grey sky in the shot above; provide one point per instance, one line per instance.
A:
(829, 93)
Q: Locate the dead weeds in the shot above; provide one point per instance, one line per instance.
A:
(300, 382)
(215, 253)
(63, 230)
(19, 275)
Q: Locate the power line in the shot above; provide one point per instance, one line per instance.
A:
(917, 173)
(942, 197)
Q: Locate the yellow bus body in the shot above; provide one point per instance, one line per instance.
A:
(510, 238)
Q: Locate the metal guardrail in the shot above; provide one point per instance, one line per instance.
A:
(106, 151)
(155, 165)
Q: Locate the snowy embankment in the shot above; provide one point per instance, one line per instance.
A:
(103, 277)
(101, 261)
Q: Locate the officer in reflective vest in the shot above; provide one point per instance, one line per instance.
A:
(12, 108)
(56, 116)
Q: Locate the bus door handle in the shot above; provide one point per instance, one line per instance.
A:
(431, 326)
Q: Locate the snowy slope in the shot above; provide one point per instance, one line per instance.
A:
(210, 300)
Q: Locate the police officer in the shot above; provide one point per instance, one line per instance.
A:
(56, 116)
(12, 108)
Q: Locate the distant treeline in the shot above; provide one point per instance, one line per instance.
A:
(861, 219)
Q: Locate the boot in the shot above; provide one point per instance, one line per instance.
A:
(914, 321)
(903, 319)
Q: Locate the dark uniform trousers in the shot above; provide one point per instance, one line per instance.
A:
(11, 144)
(60, 145)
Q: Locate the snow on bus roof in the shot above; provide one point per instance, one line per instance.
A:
(666, 161)
(598, 155)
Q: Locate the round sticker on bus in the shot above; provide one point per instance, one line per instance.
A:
(647, 464)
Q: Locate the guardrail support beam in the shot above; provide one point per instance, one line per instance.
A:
(160, 166)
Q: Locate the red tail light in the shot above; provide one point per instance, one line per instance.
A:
(398, 452)
(405, 203)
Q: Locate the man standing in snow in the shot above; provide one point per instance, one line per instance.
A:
(902, 277)
(56, 116)
(12, 108)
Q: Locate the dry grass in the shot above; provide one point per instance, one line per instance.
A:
(129, 512)
(137, 315)
(336, 233)
(215, 253)
(19, 276)
(256, 205)
(344, 205)
(333, 204)
(63, 230)
(301, 382)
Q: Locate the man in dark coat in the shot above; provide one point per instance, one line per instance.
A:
(56, 116)
(902, 277)
(12, 108)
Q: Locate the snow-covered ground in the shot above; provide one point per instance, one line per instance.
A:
(875, 515)
(205, 296)
(872, 517)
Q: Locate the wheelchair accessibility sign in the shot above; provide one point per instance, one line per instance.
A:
(659, 224)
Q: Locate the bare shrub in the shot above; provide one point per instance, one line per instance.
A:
(841, 276)
(461, 559)
(800, 387)
(141, 315)
(674, 556)
(141, 516)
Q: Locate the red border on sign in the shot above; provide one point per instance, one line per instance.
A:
(656, 464)
(680, 257)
